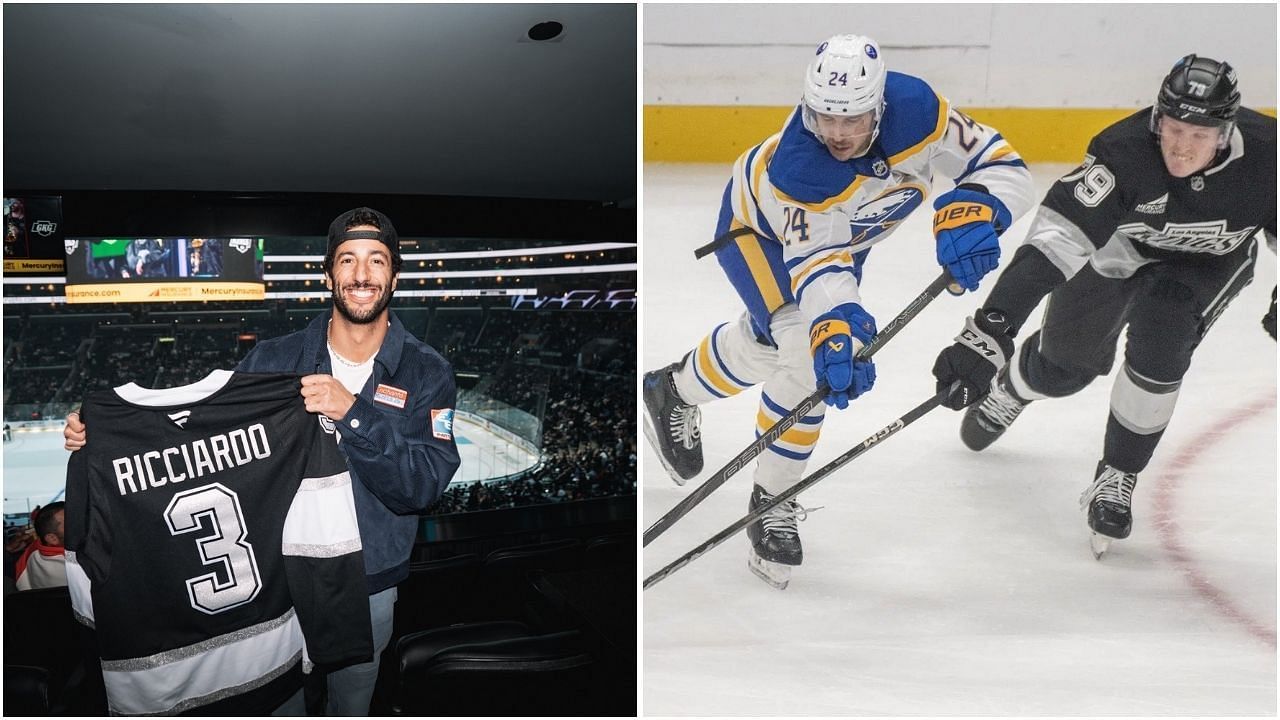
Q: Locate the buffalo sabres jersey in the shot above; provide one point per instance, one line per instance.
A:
(210, 529)
(826, 213)
(1121, 209)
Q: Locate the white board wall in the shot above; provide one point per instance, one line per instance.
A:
(978, 55)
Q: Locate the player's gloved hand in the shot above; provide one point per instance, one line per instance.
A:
(1269, 320)
(967, 227)
(834, 339)
(981, 349)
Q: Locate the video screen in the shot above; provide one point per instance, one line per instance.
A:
(33, 235)
(163, 269)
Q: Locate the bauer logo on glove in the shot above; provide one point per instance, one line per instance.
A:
(960, 214)
(834, 340)
(834, 330)
(967, 226)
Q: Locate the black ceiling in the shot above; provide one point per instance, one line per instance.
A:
(400, 99)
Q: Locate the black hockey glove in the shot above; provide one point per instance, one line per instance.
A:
(980, 350)
(1269, 320)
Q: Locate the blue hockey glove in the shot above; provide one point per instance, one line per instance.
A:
(832, 342)
(967, 226)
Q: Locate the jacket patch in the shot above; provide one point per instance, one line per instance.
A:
(393, 396)
(442, 424)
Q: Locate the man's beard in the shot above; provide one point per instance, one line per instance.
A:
(353, 316)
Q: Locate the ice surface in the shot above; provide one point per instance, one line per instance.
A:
(938, 581)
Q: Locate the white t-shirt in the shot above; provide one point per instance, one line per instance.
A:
(352, 377)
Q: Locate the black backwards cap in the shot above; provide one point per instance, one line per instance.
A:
(385, 234)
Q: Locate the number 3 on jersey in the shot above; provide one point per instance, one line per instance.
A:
(797, 226)
(224, 550)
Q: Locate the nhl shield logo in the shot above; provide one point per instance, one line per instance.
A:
(70, 245)
(241, 244)
(880, 168)
(1197, 183)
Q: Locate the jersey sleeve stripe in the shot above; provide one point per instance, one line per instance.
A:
(1002, 152)
(1060, 240)
(812, 277)
(995, 152)
(317, 550)
(177, 680)
(747, 173)
(81, 590)
(322, 519)
(800, 277)
(741, 205)
(944, 109)
(761, 161)
(833, 270)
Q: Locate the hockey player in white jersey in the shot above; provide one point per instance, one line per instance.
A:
(798, 218)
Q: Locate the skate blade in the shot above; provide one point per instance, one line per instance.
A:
(652, 437)
(777, 575)
(1099, 544)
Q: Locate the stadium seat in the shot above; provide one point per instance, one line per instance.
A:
(494, 669)
(40, 632)
(504, 589)
(437, 593)
(26, 691)
(610, 551)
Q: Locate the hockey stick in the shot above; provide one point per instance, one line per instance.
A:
(914, 414)
(784, 424)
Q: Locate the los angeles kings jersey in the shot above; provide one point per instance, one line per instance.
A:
(1121, 209)
(210, 529)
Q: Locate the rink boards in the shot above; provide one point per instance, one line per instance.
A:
(35, 464)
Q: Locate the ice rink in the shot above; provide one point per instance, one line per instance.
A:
(938, 581)
(35, 465)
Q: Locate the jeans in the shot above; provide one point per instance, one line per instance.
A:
(351, 688)
(295, 706)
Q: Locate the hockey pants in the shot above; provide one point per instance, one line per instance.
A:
(1167, 306)
(732, 358)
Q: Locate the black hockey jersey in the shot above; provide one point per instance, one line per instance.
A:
(210, 528)
(1121, 209)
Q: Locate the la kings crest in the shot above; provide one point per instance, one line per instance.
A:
(1211, 237)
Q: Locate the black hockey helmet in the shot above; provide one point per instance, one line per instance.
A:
(1200, 91)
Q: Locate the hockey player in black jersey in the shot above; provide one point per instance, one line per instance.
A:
(1157, 230)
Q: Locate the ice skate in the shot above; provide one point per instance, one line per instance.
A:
(672, 426)
(775, 540)
(986, 421)
(1108, 501)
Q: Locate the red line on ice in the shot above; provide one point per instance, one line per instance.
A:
(1167, 485)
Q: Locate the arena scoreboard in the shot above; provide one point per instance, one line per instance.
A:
(164, 269)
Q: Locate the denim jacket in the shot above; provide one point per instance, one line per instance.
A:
(400, 458)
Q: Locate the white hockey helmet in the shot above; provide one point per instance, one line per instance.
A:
(845, 77)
